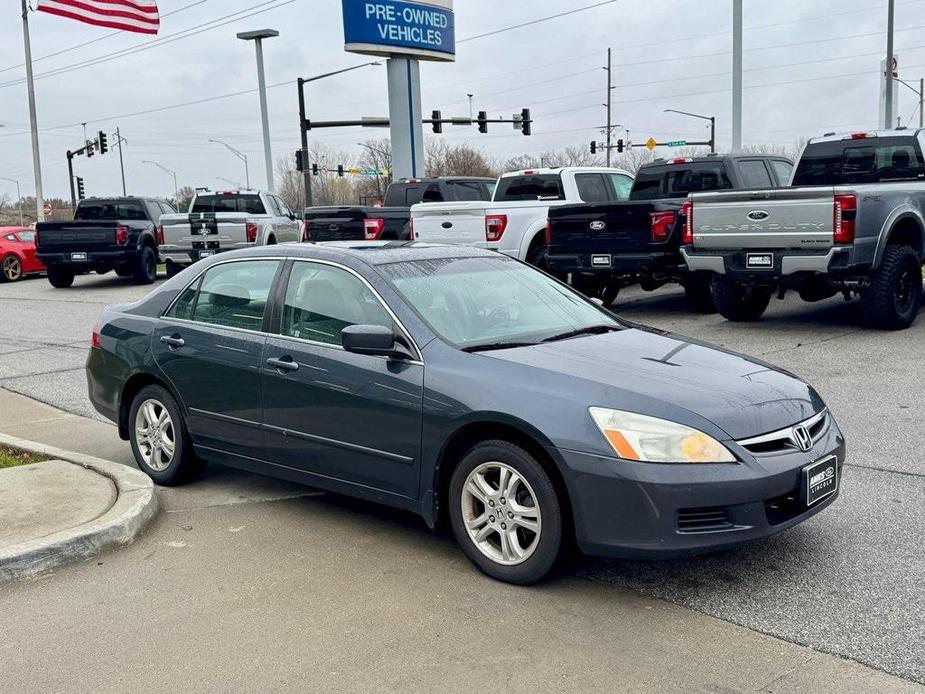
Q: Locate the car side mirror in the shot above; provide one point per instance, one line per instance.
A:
(596, 300)
(375, 340)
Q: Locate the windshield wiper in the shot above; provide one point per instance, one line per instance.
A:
(488, 346)
(589, 330)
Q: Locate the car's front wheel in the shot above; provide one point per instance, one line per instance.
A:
(11, 268)
(505, 513)
(159, 440)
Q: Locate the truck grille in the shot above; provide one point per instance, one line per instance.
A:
(703, 520)
(787, 440)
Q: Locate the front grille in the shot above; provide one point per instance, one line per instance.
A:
(703, 520)
(784, 440)
(784, 508)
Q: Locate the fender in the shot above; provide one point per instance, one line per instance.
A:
(902, 212)
(536, 227)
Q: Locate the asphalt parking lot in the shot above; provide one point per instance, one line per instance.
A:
(848, 582)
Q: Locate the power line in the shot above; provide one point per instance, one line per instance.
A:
(535, 21)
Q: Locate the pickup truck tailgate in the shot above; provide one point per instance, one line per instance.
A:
(458, 223)
(604, 228)
(801, 218)
(76, 236)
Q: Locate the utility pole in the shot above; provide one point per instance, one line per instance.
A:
(119, 141)
(737, 75)
(306, 168)
(888, 99)
(609, 69)
(921, 102)
(33, 120)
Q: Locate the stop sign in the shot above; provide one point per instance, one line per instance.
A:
(46, 209)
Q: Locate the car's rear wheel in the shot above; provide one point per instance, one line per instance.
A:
(173, 269)
(146, 266)
(11, 268)
(159, 439)
(894, 295)
(737, 302)
(60, 278)
(698, 292)
(505, 513)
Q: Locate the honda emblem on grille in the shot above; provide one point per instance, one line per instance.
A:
(802, 437)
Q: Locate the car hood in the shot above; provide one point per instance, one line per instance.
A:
(742, 396)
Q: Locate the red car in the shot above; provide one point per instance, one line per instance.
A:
(17, 254)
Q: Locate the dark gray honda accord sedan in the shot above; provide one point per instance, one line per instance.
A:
(468, 387)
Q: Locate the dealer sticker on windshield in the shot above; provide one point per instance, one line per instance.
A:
(820, 479)
(759, 260)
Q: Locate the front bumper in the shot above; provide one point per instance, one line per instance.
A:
(616, 263)
(637, 510)
(733, 263)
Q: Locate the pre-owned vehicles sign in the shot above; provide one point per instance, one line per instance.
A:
(424, 29)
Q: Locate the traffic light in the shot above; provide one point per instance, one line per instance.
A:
(104, 142)
(89, 148)
(526, 124)
(299, 161)
(314, 169)
(80, 187)
(340, 170)
(482, 120)
(620, 146)
(593, 147)
(436, 117)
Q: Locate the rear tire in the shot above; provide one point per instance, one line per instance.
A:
(738, 303)
(173, 269)
(505, 513)
(145, 266)
(537, 258)
(892, 299)
(698, 292)
(160, 443)
(60, 278)
(123, 271)
(609, 293)
(11, 268)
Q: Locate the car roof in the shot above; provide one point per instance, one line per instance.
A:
(700, 158)
(369, 252)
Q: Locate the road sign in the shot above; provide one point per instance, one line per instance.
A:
(677, 143)
(46, 209)
(423, 29)
(651, 143)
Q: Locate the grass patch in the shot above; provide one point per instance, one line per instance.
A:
(11, 457)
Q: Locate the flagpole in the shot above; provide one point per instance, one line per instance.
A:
(33, 121)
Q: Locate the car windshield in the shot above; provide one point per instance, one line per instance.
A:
(494, 301)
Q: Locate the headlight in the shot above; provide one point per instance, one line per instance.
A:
(651, 440)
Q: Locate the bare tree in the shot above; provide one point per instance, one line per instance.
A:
(183, 199)
(444, 159)
(633, 158)
(377, 154)
(290, 184)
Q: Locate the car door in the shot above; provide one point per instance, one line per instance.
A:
(209, 344)
(346, 416)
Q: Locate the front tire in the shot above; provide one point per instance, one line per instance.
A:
(738, 303)
(159, 440)
(60, 278)
(892, 299)
(145, 266)
(10, 268)
(505, 513)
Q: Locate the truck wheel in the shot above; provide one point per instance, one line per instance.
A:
(173, 269)
(609, 293)
(537, 258)
(587, 284)
(892, 299)
(146, 266)
(698, 291)
(738, 303)
(123, 271)
(60, 278)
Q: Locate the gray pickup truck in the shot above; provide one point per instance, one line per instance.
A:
(852, 221)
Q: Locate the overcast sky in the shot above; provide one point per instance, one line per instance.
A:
(808, 67)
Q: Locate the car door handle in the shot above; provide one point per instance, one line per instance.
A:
(284, 364)
(173, 341)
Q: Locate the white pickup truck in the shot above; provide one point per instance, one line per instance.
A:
(224, 221)
(514, 221)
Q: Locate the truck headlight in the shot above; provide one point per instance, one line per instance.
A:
(652, 440)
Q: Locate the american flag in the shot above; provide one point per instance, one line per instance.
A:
(129, 15)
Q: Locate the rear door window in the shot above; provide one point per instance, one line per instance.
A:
(755, 174)
(432, 193)
(530, 187)
(783, 170)
(622, 185)
(461, 191)
(592, 187)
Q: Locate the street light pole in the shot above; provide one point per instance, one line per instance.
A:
(888, 98)
(712, 120)
(609, 69)
(240, 155)
(303, 125)
(176, 188)
(257, 37)
(18, 196)
(737, 75)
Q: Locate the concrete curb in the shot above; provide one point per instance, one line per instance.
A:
(135, 506)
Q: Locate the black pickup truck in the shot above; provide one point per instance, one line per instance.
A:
(392, 220)
(608, 246)
(118, 234)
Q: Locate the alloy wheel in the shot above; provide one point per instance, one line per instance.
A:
(12, 269)
(501, 514)
(155, 435)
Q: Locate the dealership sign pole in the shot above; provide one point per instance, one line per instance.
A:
(33, 122)
(404, 32)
